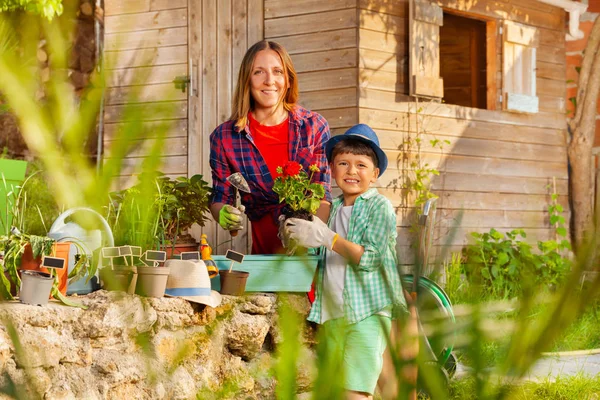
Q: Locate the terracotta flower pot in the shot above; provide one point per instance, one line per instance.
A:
(179, 248)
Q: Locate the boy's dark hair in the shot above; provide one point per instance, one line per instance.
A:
(356, 147)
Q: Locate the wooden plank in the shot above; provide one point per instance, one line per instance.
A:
(552, 104)
(172, 166)
(383, 80)
(555, 55)
(321, 41)
(224, 60)
(256, 27)
(455, 200)
(496, 184)
(145, 112)
(239, 20)
(116, 7)
(380, 61)
(327, 99)
(502, 10)
(143, 94)
(379, 100)
(168, 128)
(391, 140)
(332, 79)
(156, 5)
(497, 218)
(324, 60)
(146, 20)
(392, 7)
(144, 75)
(385, 23)
(474, 183)
(144, 39)
(299, 24)
(340, 117)
(551, 87)
(492, 64)
(434, 125)
(282, 8)
(487, 165)
(209, 78)
(142, 148)
(550, 71)
(381, 41)
(552, 38)
(457, 237)
(146, 57)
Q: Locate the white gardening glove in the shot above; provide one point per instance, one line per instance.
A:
(313, 233)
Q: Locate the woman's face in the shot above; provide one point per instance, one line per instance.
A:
(267, 81)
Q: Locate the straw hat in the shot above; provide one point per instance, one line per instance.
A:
(189, 280)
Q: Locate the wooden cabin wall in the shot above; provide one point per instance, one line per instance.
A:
(150, 42)
(499, 168)
(321, 37)
(146, 47)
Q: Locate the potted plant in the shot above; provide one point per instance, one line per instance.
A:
(295, 189)
(23, 252)
(158, 211)
(181, 202)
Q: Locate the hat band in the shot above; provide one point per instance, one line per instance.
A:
(188, 292)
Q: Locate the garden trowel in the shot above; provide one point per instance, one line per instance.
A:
(238, 182)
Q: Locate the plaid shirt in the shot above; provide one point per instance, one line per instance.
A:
(232, 151)
(374, 283)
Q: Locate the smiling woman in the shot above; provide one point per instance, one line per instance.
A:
(266, 129)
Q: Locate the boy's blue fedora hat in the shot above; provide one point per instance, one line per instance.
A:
(365, 134)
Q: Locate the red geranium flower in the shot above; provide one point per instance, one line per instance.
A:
(291, 168)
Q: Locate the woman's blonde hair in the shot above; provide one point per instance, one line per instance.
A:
(242, 99)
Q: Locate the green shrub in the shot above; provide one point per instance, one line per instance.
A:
(502, 266)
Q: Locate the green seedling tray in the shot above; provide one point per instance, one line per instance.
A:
(272, 273)
(14, 174)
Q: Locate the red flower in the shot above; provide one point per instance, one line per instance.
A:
(291, 168)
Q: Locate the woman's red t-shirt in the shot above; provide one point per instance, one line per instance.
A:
(272, 142)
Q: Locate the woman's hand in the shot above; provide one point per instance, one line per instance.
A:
(230, 218)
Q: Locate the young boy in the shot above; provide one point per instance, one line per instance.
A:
(358, 288)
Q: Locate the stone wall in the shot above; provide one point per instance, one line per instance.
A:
(126, 347)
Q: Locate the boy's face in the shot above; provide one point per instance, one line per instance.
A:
(353, 174)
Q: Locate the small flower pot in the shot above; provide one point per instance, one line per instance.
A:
(152, 281)
(233, 283)
(35, 287)
(60, 250)
(119, 278)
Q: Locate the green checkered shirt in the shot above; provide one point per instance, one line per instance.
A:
(374, 283)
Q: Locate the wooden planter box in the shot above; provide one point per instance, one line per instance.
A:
(272, 273)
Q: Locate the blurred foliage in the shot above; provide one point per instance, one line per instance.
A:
(41, 209)
(46, 8)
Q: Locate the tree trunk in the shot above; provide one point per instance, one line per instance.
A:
(582, 128)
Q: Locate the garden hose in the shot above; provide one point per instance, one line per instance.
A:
(443, 304)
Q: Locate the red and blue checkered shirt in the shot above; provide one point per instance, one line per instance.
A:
(232, 150)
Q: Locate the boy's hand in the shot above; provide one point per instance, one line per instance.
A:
(313, 233)
(230, 218)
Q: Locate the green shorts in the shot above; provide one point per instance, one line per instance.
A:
(359, 348)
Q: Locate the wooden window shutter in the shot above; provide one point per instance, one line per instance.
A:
(425, 19)
(518, 68)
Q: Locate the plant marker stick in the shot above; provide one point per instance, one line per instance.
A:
(231, 266)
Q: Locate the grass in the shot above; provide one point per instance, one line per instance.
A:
(577, 387)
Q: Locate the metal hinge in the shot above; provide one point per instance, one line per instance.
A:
(181, 82)
(500, 30)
